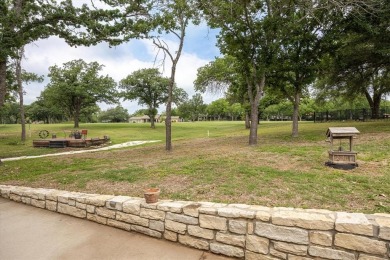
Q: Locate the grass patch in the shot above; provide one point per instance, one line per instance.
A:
(211, 161)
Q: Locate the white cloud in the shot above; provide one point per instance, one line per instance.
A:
(118, 62)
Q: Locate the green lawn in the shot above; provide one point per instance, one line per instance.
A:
(211, 161)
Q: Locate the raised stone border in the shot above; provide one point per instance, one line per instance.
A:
(236, 230)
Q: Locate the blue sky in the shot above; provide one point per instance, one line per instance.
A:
(120, 61)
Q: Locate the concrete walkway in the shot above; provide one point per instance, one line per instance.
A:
(115, 146)
(30, 233)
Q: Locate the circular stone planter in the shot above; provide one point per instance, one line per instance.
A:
(151, 195)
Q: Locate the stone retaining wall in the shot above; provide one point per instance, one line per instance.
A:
(236, 230)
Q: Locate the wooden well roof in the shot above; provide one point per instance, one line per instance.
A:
(335, 132)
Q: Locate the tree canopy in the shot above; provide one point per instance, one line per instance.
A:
(77, 86)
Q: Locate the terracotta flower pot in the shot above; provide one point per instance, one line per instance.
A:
(151, 195)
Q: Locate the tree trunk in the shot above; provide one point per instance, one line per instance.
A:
(20, 91)
(253, 126)
(168, 120)
(247, 121)
(3, 85)
(295, 114)
(152, 119)
(375, 109)
(76, 117)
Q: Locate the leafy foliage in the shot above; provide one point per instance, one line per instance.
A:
(77, 86)
(150, 88)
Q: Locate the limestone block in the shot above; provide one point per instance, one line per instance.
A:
(212, 222)
(82, 197)
(5, 192)
(234, 240)
(263, 215)
(69, 210)
(356, 223)
(96, 218)
(238, 226)
(91, 209)
(384, 227)
(105, 212)
(72, 202)
(253, 256)
(192, 209)
(251, 228)
(146, 231)
(175, 226)
(26, 200)
(291, 248)
(132, 219)
(81, 205)
(231, 212)
(53, 195)
(175, 207)
(116, 202)
(239, 205)
(226, 250)
(38, 203)
(149, 205)
(182, 218)
(152, 214)
(321, 238)
(200, 232)
(132, 206)
(361, 244)
(169, 235)
(368, 257)
(38, 194)
(277, 254)
(118, 224)
(208, 210)
(51, 205)
(307, 220)
(98, 200)
(64, 197)
(157, 225)
(286, 234)
(329, 253)
(294, 257)
(194, 242)
(257, 244)
(15, 197)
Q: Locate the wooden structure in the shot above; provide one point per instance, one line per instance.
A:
(340, 155)
(70, 142)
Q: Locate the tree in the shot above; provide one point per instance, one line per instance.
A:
(41, 110)
(150, 88)
(223, 74)
(77, 85)
(114, 115)
(172, 18)
(247, 35)
(360, 64)
(23, 22)
(218, 108)
(193, 109)
(236, 110)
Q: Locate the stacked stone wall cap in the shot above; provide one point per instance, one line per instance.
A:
(175, 207)
(356, 223)
(384, 227)
(98, 200)
(233, 212)
(192, 209)
(307, 220)
(117, 202)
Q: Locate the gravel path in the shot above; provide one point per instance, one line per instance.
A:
(116, 146)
